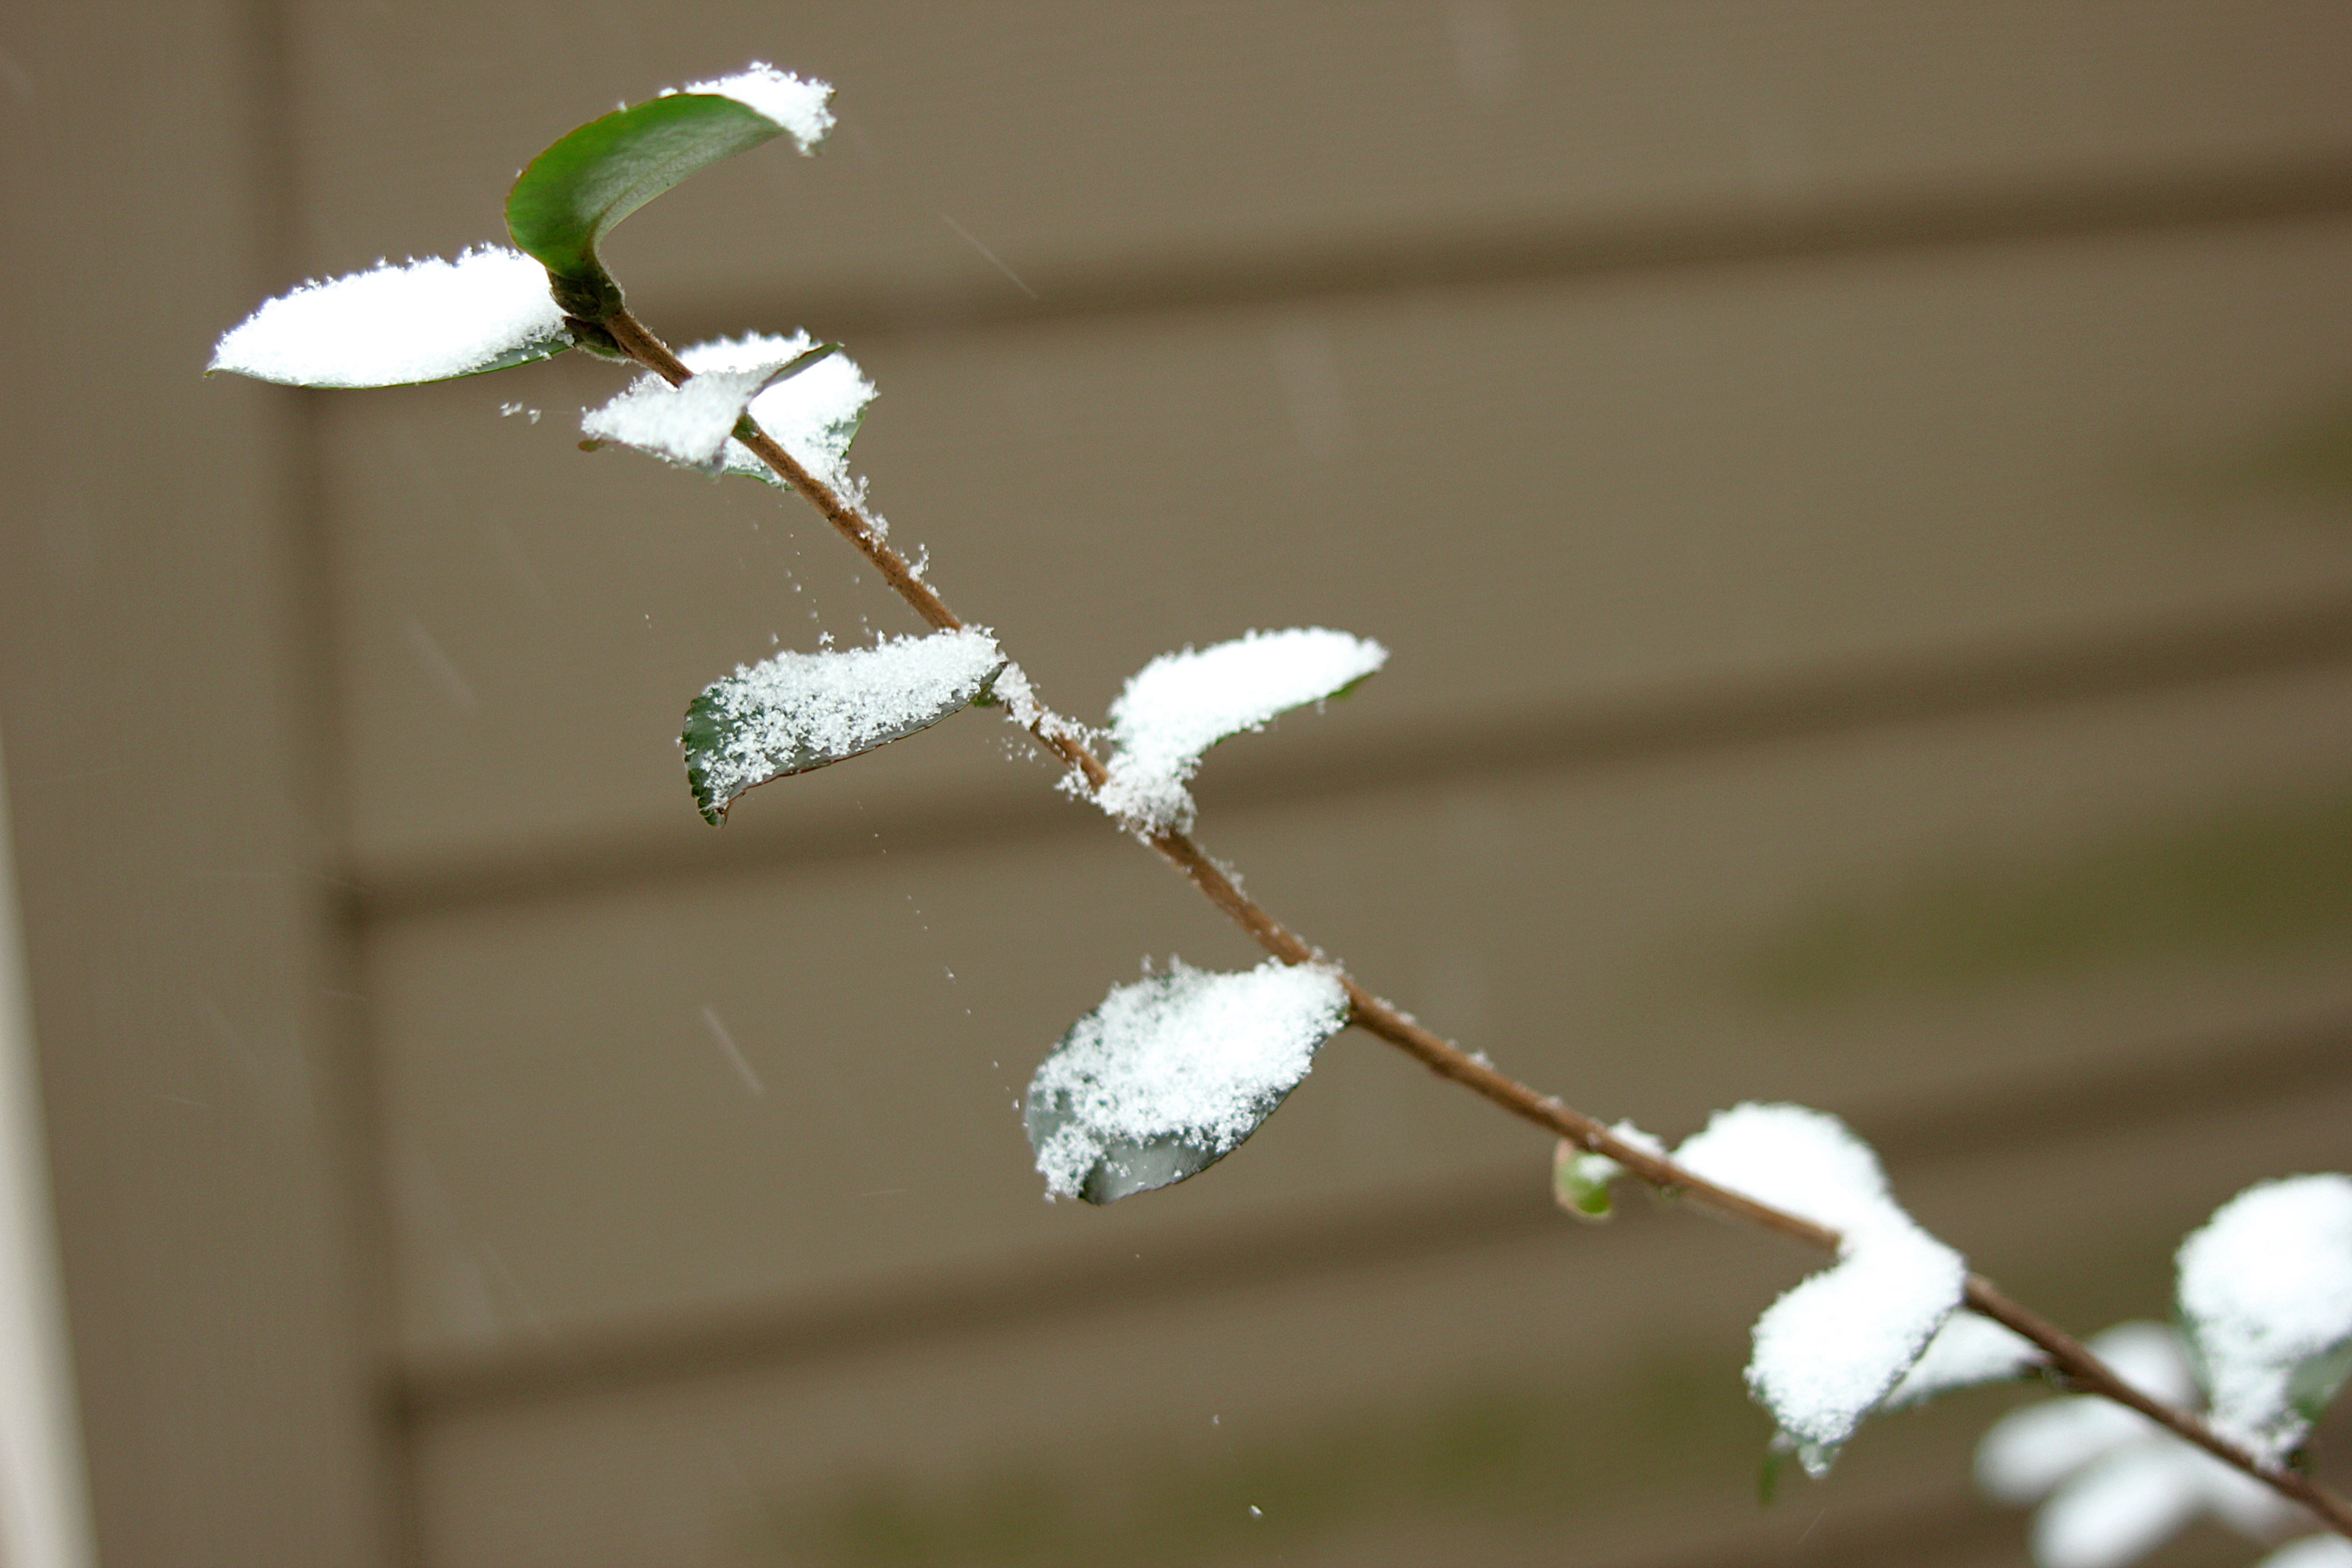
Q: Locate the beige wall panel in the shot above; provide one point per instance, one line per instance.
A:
(1541, 498)
(1148, 140)
(173, 849)
(1593, 1373)
(574, 1145)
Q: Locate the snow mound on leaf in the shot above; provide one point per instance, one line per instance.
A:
(814, 413)
(427, 321)
(1836, 1344)
(690, 424)
(799, 710)
(1181, 704)
(1192, 1055)
(2266, 1288)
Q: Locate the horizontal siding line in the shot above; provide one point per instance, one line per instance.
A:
(2269, 192)
(1587, 736)
(2189, 1083)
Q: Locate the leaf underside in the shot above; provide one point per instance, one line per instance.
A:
(1125, 1168)
(2314, 1382)
(574, 194)
(523, 353)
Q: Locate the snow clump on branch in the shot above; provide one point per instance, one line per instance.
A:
(1836, 1344)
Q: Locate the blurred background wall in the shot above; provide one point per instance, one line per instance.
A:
(1860, 498)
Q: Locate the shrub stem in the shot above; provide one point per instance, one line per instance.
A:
(2066, 1355)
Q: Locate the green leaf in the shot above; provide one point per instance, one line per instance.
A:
(574, 194)
(691, 424)
(799, 711)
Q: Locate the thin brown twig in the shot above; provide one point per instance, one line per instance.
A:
(2092, 1375)
(2067, 1355)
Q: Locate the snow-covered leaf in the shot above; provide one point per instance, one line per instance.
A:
(692, 424)
(1967, 1351)
(394, 326)
(814, 412)
(1837, 1343)
(573, 195)
(801, 710)
(1172, 1072)
(2266, 1296)
(1581, 1181)
(1181, 704)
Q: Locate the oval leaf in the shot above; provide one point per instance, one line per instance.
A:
(1181, 704)
(397, 326)
(1171, 1073)
(574, 194)
(798, 711)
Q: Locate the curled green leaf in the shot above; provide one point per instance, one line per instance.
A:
(573, 195)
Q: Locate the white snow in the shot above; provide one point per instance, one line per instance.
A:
(690, 425)
(1830, 1348)
(2311, 1552)
(427, 321)
(814, 413)
(1192, 1055)
(800, 711)
(2118, 1484)
(1969, 1349)
(2266, 1287)
(1023, 708)
(796, 105)
(1181, 704)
